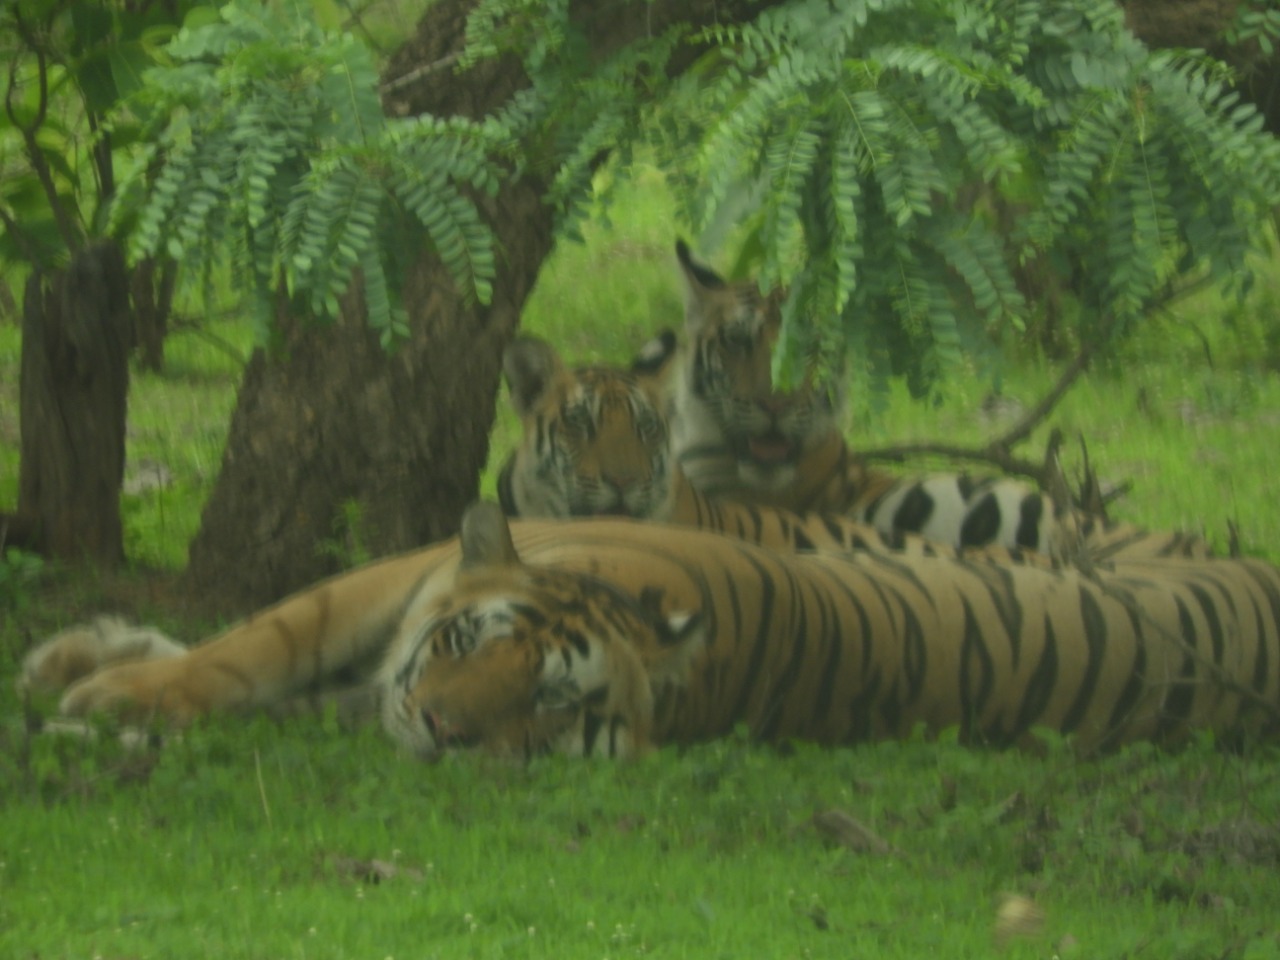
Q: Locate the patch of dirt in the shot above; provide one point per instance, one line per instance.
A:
(145, 476)
(1240, 841)
(9, 433)
(372, 871)
(847, 831)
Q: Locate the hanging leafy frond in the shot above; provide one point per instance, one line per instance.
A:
(842, 202)
(893, 163)
(898, 177)
(976, 257)
(271, 152)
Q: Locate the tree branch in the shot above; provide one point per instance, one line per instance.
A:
(992, 455)
(997, 452)
(187, 325)
(1032, 418)
(387, 86)
(72, 234)
(102, 161)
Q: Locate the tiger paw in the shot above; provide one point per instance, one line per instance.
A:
(135, 692)
(75, 653)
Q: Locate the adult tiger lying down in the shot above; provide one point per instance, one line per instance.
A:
(604, 636)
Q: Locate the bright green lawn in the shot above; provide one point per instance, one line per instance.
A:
(257, 843)
(250, 841)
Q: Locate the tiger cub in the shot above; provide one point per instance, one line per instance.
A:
(738, 437)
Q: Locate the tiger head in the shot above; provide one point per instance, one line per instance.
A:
(594, 440)
(727, 404)
(520, 660)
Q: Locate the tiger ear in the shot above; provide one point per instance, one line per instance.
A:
(655, 355)
(486, 538)
(697, 273)
(530, 366)
(703, 289)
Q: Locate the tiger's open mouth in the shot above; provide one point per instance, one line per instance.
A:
(769, 449)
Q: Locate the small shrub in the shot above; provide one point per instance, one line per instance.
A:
(19, 573)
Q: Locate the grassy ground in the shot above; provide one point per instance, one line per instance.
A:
(258, 841)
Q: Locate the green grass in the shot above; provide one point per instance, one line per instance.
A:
(252, 841)
(249, 840)
(178, 421)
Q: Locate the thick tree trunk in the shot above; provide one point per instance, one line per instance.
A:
(151, 287)
(334, 433)
(331, 430)
(74, 384)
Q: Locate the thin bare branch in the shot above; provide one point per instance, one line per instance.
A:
(417, 74)
(1033, 417)
(226, 346)
(102, 160)
(997, 452)
(992, 455)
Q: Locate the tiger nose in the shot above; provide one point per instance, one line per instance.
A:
(431, 723)
(620, 478)
(773, 404)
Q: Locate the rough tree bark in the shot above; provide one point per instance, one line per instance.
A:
(332, 420)
(1203, 24)
(151, 286)
(8, 306)
(76, 335)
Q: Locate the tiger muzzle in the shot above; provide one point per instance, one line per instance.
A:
(768, 449)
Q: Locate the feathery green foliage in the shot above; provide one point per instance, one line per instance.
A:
(268, 147)
(901, 165)
(584, 106)
(1257, 22)
(898, 177)
(272, 149)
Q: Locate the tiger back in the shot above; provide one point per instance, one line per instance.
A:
(601, 637)
(737, 436)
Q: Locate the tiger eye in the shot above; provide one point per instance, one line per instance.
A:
(737, 340)
(648, 424)
(578, 419)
